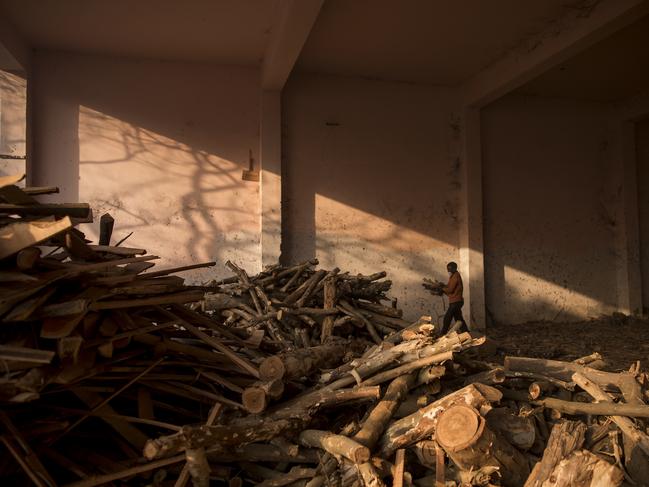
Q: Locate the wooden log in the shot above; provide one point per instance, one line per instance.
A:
(97, 480)
(303, 362)
(335, 444)
(399, 467)
(287, 417)
(488, 377)
(241, 362)
(381, 414)
(74, 210)
(106, 224)
(423, 423)
(562, 370)
(24, 354)
(198, 466)
(329, 303)
(540, 388)
(636, 441)
(180, 297)
(260, 452)
(584, 469)
(27, 258)
(465, 437)
(293, 475)
(517, 430)
(256, 398)
(596, 409)
(565, 438)
(223, 435)
(18, 236)
(319, 277)
(440, 466)
(311, 281)
(410, 366)
(560, 384)
(380, 309)
(405, 352)
(370, 476)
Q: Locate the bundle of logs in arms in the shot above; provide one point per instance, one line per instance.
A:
(117, 374)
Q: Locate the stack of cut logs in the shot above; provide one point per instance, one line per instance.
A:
(115, 374)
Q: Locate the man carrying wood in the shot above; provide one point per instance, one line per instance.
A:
(453, 290)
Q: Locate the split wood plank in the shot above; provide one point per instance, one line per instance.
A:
(17, 236)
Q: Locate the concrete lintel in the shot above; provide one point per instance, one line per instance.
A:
(294, 22)
(563, 39)
(270, 190)
(471, 234)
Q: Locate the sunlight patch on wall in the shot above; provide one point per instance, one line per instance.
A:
(183, 204)
(360, 242)
(542, 300)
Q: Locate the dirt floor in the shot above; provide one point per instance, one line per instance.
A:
(621, 341)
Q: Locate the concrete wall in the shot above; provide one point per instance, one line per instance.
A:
(642, 151)
(371, 180)
(13, 121)
(158, 145)
(549, 206)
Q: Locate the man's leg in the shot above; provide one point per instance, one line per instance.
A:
(448, 316)
(459, 324)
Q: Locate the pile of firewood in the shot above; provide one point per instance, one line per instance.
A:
(117, 374)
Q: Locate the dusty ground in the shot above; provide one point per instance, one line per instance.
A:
(620, 341)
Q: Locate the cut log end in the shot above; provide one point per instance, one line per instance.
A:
(272, 368)
(458, 427)
(254, 400)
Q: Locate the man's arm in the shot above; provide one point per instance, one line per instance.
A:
(451, 287)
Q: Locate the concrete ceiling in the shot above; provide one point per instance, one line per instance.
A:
(614, 69)
(427, 41)
(224, 31)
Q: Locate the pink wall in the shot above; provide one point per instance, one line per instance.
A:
(371, 180)
(159, 145)
(642, 151)
(548, 205)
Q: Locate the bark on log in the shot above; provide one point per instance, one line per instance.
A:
(226, 436)
(597, 409)
(199, 468)
(565, 438)
(563, 370)
(404, 352)
(467, 440)
(261, 452)
(488, 377)
(540, 388)
(583, 469)
(409, 367)
(517, 430)
(329, 303)
(423, 423)
(636, 442)
(256, 398)
(378, 418)
(336, 445)
(303, 362)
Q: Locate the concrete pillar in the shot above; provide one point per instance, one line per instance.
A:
(627, 236)
(471, 236)
(270, 190)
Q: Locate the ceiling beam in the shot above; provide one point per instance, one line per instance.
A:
(571, 34)
(15, 53)
(290, 31)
